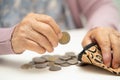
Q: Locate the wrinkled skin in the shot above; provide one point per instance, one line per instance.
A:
(108, 40)
(36, 32)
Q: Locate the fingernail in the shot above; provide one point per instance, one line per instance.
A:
(108, 64)
(116, 66)
(107, 59)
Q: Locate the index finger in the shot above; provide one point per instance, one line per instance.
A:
(104, 43)
(49, 20)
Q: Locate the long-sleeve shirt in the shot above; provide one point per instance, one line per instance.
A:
(66, 13)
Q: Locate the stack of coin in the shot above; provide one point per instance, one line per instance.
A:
(54, 62)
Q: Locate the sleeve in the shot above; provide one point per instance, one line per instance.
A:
(100, 13)
(5, 40)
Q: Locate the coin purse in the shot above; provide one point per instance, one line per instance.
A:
(91, 54)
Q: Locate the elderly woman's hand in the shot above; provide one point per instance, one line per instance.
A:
(36, 32)
(108, 40)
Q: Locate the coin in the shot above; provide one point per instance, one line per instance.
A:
(65, 57)
(65, 38)
(59, 61)
(55, 68)
(51, 63)
(72, 61)
(65, 64)
(54, 62)
(26, 66)
(46, 57)
(71, 54)
(42, 65)
(52, 58)
(38, 60)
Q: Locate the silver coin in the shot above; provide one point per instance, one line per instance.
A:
(71, 54)
(40, 66)
(54, 68)
(57, 56)
(52, 58)
(54, 62)
(65, 58)
(65, 64)
(72, 61)
(59, 61)
(51, 63)
(38, 60)
(46, 57)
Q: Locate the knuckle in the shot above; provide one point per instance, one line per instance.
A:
(22, 30)
(47, 29)
(51, 50)
(26, 21)
(55, 44)
(30, 14)
(49, 18)
(105, 44)
(115, 44)
(42, 39)
(42, 51)
(22, 33)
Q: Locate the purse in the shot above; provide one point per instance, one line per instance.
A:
(91, 54)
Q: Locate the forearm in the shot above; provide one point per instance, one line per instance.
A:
(101, 13)
(5, 40)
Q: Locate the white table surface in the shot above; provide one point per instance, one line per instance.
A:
(10, 65)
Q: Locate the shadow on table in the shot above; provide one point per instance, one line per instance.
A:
(9, 63)
(16, 65)
(96, 70)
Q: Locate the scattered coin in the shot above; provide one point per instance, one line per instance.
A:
(65, 38)
(46, 57)
(52, 58)
(71, 54)
(59, 61)
(38, 60)
(26, 66)
(51, 63)
(55, 68)
(72, 61)
(40, 66)
(65, 65)
(65, 58)
(54, 62)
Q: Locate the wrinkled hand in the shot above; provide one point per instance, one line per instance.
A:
(36, 32)
(108, 40)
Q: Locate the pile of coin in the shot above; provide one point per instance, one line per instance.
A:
(53, 62)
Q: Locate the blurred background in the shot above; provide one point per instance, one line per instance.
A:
(117, 3)
(17, 9)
